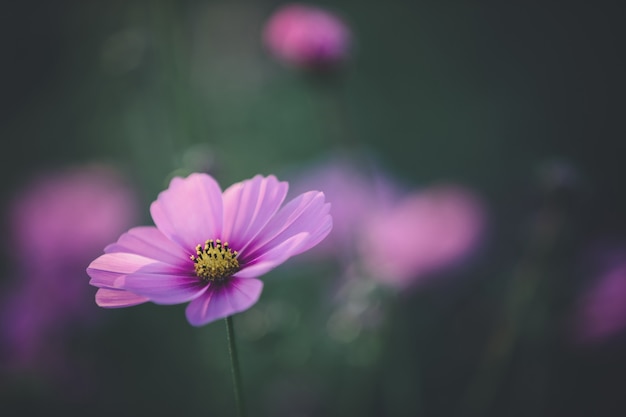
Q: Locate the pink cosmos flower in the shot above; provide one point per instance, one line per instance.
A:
(209, 247)
(307, 36)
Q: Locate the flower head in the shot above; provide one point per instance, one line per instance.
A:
(307, 36)
(209, 247)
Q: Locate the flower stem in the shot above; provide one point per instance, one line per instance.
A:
(234, 362)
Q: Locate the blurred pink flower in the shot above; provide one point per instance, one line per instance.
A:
(57, 224)
(209, 247)
(388, 234)
(601, 311)
(423, 232)
(68, 216)
(307, 36)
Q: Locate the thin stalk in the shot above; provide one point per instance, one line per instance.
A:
(234, 362)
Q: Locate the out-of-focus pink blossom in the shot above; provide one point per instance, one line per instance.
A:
(57, 224)
(602, 309)
(388, 234)
(68, 216)
(423, 232)
(307, 36)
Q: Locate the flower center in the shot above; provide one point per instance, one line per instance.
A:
(215, 261)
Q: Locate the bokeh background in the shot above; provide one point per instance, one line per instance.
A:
(520, 102)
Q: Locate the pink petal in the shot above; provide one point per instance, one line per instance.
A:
(148, 241)
(164, 289)
(221, 301)
(108, 270)
(248, 206)
(306, 213)
(276, 256)
(189, 211)
(111, 298)
(323, 228)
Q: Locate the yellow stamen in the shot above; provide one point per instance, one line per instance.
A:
(215, 261)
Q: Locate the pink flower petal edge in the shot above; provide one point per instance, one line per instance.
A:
(112, 298)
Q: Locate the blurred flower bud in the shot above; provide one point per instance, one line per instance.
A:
(307, 37)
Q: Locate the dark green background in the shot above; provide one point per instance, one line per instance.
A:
(483, 93)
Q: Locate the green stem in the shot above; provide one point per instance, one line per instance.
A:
(234, 362)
